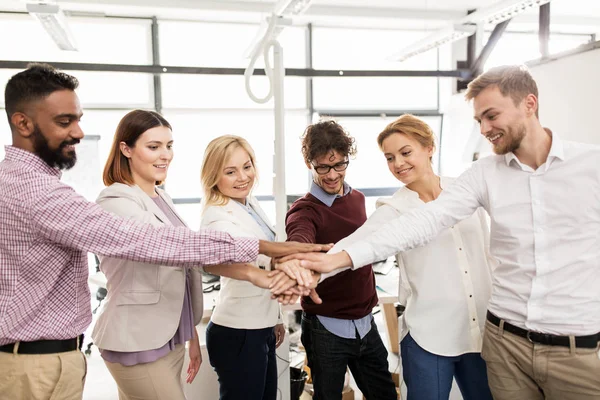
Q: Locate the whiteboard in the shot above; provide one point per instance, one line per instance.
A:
(86, 176)
(568, 94)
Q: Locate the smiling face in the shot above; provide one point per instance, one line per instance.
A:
(150, 156)
(407, 159)
(54, 128)
(238, 175)
(502, 122)
(331, 182)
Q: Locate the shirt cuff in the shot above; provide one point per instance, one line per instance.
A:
(246, 250)
(361, 254)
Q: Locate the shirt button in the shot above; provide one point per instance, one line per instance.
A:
(460, 248)
(470, 295)
(465, 272)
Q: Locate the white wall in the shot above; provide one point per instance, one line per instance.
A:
(568, 94)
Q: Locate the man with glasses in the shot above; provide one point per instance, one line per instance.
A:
(340, 332)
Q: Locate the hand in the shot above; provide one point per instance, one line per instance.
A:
(195, 358)
(293, 269)
(314, 296)
(275, 249)
(321, 262)
(273, 280)
(279, 334)
(288, 298)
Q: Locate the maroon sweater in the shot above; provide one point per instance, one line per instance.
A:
(349, 294)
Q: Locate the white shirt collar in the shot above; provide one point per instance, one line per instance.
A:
(556, 150)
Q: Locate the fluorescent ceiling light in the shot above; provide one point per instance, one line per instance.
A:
(501, 11)
(466, 26)
(438, 38)
(288, 8)
(53, 20)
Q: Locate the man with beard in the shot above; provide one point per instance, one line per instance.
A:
(541, 192)
(47, 230)
(339, 332)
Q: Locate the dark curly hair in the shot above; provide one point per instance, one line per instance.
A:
(320, 138)
(35, 83)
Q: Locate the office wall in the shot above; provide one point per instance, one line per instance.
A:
(568, 94)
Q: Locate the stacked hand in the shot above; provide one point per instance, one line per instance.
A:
(306, 282)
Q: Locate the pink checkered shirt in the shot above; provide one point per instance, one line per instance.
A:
(47, 228)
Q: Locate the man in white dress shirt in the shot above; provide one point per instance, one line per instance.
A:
(543, 196)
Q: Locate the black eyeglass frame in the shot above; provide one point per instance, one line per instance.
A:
(339, 167)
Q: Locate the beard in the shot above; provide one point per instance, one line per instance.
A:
(513, 136)
(53, 157)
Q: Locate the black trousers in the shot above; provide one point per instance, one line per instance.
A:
(329, 356)
(244, 360)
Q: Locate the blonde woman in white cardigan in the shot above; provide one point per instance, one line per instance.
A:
(246, 326)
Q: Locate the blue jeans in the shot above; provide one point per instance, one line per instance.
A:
(329, 356)
(244, 360)
(429, 377)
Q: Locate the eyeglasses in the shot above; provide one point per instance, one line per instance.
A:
(324, 169)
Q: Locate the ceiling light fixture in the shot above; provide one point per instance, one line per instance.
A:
(53, 20)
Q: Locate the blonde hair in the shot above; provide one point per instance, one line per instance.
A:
(216, 155)
(512, 80)
(412, 126)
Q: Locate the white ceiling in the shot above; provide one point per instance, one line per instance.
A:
(581, 15)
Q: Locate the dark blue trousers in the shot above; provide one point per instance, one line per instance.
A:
(429, 377)
(244, 360)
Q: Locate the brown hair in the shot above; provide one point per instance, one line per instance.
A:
(130, 128)
(512, 80)
(216, 155)
(412, 126)
(320, 138)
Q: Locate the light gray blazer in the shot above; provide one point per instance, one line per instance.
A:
(143, 306)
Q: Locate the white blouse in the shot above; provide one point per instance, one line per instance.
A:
(445, 285)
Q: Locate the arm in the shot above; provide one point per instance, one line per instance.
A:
(483, 218)
(62, 216)
(301, 225)
(421, 225)
(258, 277)
(410, 230)
(379, 218)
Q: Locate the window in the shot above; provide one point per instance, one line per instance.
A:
(192, 131)
(369, 168)
(99, 40)
(368, 93)
(336, 48)
(114, 89)
(222, 44)
(226, 91)
(517, 48)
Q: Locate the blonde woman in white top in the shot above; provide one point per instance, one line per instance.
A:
(444, 285)
(246, 326)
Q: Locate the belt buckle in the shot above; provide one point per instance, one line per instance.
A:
(529, 337)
